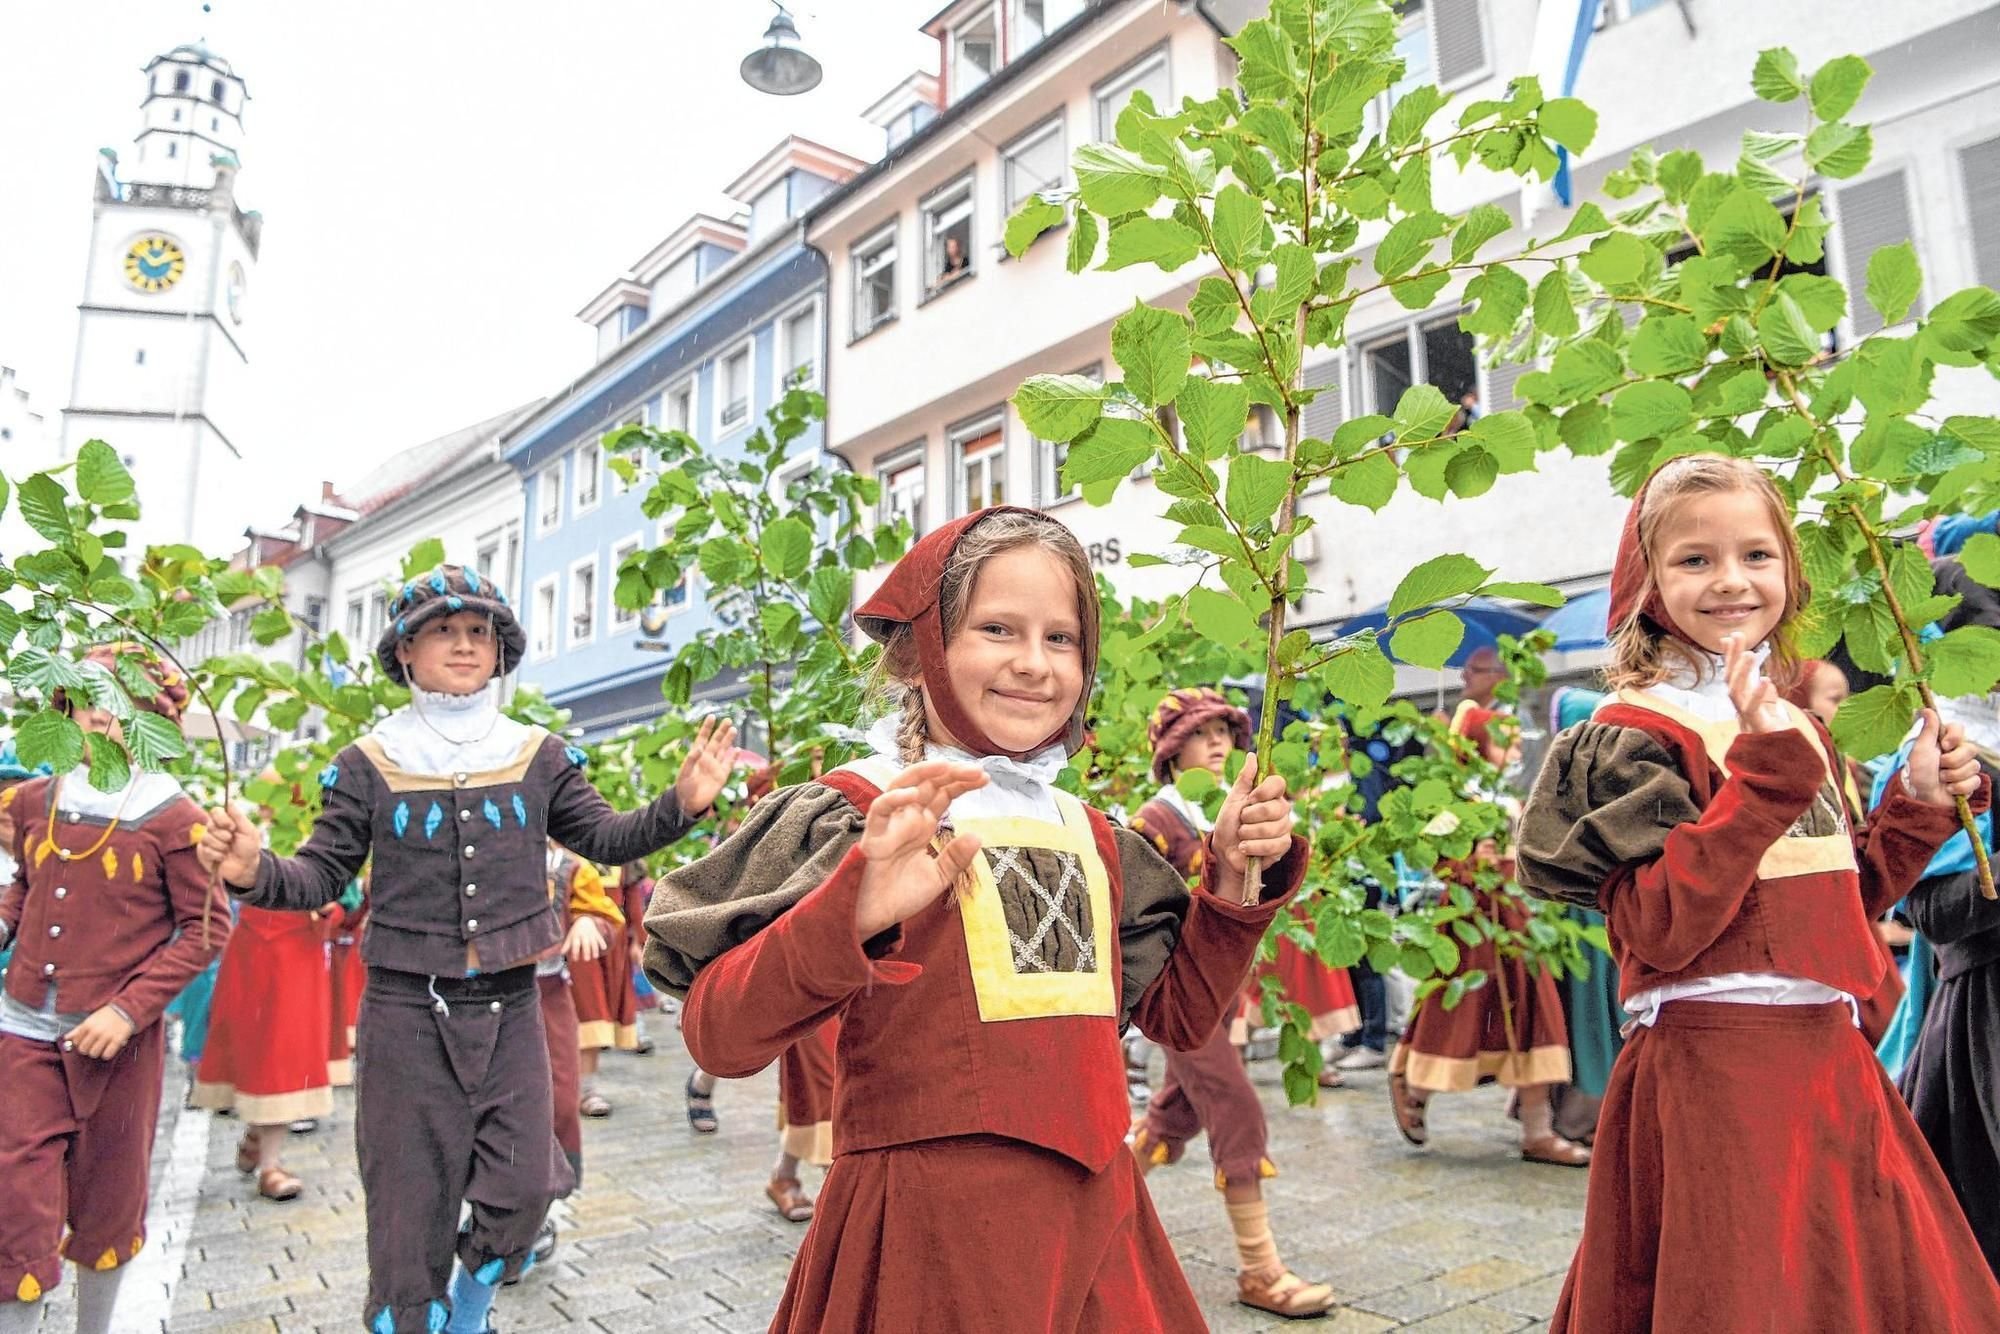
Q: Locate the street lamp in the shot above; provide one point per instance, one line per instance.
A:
(780, 67)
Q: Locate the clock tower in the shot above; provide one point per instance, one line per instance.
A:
(162, 369)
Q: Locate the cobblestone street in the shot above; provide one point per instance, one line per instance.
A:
(672, 1231)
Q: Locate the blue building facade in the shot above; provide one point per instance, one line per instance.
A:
(703, 336)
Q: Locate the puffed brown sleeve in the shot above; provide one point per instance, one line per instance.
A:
(1606, 797)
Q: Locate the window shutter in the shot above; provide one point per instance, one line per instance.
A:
(1979, 164)
(1868, 216)
(1457, 40)
(1323, 414)
(1500, 395)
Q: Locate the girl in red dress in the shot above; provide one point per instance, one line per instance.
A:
(983, 937)
(1754, 1167)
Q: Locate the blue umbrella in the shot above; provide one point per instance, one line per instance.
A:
(1579, 623)
(1485, 621)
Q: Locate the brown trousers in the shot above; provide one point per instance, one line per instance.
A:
(76, 1143)
(559, 1028)
(1209, 1088)
(452, 1107)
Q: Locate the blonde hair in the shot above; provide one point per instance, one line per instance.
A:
(1644, 655)
(895, 686)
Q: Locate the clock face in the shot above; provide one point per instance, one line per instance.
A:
(154, 263)
(235, 293)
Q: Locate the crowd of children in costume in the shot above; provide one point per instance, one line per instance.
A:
(962, 971)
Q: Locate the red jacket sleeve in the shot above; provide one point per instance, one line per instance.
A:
(1670, 909)
(1218, 942)
(780, 985)
(1902, 836)
(147, 994)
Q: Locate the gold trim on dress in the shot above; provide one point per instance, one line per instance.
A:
(400, 780)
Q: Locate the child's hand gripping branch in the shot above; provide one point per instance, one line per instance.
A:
(904, 874)
(1943, 765)
(232, 843)
(1255, 822)
(709, 763)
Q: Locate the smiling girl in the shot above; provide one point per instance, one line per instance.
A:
(983, 937)
(1754, 1169)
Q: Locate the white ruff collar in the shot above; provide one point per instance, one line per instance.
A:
(1704, 693)
(1014, 787)
(437, 733)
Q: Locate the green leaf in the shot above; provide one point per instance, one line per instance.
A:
(1059, 407)
(1422, 412)
(270, 624)
(1965, 662)
(1214, 307)
(1220, 618)
(1242, 234)
(828, 594)
(1965, 321)
(1404, 245)
(1413, 110)
(1776, 77)
(1588, 220)
(1822, 300)
(1650, 408)
(1477, 229)
(1586, 429)
(49, 738)
(1361, 675)
(1369, 481)
(780, 622)
(154, 741)
(1555, 313)
(1436, 580)
(787, 547)
(1429, 640)
(1497, 296)
(101, 478)
(1982, 433)
(1981, 558)
(1873, 722)
(45, 506)
(1837, 85)
(1569, 122)
(1785, 335)
(1082, 242)
(1212, 414)
(38, 671)
(1667, 345)
(1471, 472)
(1113, 182)
(1585, 369)
(110, 768)
(1744, 226)
(1153, 348)
(1144, 240)
(1617, 260)
(1894, 280)
(1108, 452)
(725, 560)
(1509, 437)
(1890, 377)
(1839, 150)
(1030, 220)
(1540, 595)
(1256, 487)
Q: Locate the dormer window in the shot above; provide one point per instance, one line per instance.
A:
(975, 47)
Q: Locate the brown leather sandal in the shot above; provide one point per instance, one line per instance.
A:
(594, 1104)
(246, 1153)
(1409, 1111)
(1285, 1295)
(1329, 1078)
(1556, 1150)
(791, 1199)
(275, 1183)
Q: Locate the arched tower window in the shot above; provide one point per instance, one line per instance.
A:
(180, 81)
(215, 91)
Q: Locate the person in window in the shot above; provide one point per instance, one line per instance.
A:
(1468, 412)
(956, 265)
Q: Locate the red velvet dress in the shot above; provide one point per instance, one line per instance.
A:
(981, 1181)
(346, 976)
(267, 1057)
(1753, 1167)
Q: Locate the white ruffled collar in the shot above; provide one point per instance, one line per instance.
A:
(1700, 687)
(1034, 773)
(437, 733)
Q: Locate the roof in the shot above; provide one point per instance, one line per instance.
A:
(793, 153)
(725, 232)
(917, 88)
(431, 462)
(197, 52)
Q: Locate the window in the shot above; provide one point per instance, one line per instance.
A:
(769, 209)
(215, 91)
(215, 123)
(787, 472)
(680, 406)
(1263, 429)
(1148, 72)
(354, 622)
(486, 560)
(902, 477)
(582, 601)
(511, 571)
(177, 115)
(548, 497)
(181, 81)
(732, 390)
(980, 451)
(542, 624)
(1979, 171)
(139, 357)
(622, 618)
(874, 263)
(948, 236)
(1871, 213)
(643, 417)
(173, 148)
(975, 53)
(378, 614)
(1438, 353)
(1036, 19)
(315, 617)
(589, 477)
(677, 598)
(1033, 162)
(798, 348)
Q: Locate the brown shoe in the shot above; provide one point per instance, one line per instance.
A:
(1329, 1078)
(246, 1153)
(275, 1183)
(1409, 1111)
(1556, 1150)
(791, 1199)
(594, 1104)
(1284, 1294)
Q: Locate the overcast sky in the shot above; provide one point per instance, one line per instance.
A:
(444, 184)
